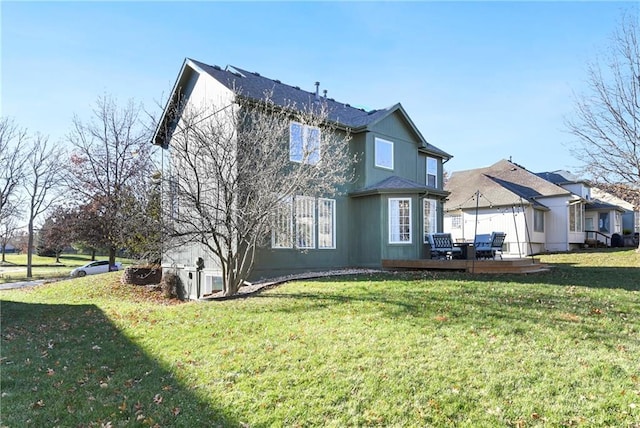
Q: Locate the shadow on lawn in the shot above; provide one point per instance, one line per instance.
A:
(68, 365)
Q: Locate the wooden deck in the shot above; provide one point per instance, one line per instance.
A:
(525, 265)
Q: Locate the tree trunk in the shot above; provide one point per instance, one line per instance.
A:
(30, 249)
(93, 254)
(112, 258)
(4, 248)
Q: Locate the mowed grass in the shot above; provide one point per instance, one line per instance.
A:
(14, 270)
(406, 349)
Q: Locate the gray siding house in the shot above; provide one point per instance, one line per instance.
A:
(396, 198)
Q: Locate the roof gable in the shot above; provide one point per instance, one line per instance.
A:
(501, 184)
(252, 85)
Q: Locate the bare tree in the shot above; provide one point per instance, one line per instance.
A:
(42, 180)
(13, 140)
(231, 173)
(8, 229)
(111, 160)
(607, 117)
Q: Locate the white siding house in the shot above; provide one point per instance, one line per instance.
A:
(535, 213)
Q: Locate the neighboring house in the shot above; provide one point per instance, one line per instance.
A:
(604, 214)
(8, 249)
(629, 216)
(396, 198)
(536, 214)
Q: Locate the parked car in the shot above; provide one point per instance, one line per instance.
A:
(92, 268)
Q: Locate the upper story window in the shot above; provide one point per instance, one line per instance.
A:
(304, 143)
(383, 156)
(432, 172)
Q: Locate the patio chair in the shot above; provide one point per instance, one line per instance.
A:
(442, 246)
(487, 246)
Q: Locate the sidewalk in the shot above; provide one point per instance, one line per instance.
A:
(12, 285)
(33, 283)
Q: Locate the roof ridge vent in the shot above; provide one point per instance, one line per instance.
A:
(217, 67)
(256, 73)
(277, 81)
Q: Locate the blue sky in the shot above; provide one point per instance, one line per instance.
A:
(481, 80)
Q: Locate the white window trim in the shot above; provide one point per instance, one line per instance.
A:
(391, 241)
(286, 203)
(333, 224)
(435, 173)
(424, 223)
(375, 154)
(305, 199)
(538, 228)
(311, 157)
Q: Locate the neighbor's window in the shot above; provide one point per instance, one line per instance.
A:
(456, 221)
(400, 221)
(575, 217)
(304, 143)
(538, 220)
(603, 222)
(305, 214)
(383, 153)
(432, 172)
(282, 232)
(429, 217)
(326, 223)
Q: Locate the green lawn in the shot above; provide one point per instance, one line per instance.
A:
(406, 349)
(43, 267)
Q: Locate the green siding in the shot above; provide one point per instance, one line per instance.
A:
(407, 163)
(367, 231)
(271, 262)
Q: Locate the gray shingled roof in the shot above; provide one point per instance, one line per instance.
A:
(560, 177)
(254, 86)
(395, 184)
(598, 205)
(501, 184)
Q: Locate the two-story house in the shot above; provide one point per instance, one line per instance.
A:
(396, 197)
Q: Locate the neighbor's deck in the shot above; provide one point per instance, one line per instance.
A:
(522, 265)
